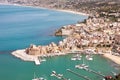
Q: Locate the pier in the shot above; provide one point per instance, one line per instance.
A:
(79, 75)
(37, 62)
(90, 70)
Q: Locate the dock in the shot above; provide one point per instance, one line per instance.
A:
(79, 75)
(37, 62)
(90, 70)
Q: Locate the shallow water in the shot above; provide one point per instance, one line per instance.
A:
(22, 26)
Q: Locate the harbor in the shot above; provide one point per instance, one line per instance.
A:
(26, 34)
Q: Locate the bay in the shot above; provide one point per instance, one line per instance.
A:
(22, 26)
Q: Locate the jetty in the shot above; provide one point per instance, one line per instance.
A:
(37, 62)
(90, 70)
(22, 55)
(79, 75)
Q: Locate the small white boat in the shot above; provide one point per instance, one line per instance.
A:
(38, 78)
(89, 57)
(81, 66)
(41, 59)
(103, 79)
(53, 73)
(76, 57)
(59, 76)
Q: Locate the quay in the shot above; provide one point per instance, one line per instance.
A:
(37, 62)
(79, 75)
(22, 55)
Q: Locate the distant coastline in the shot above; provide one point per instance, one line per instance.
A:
(68, 11)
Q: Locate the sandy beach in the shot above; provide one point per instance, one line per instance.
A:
(68, 11)
(113, 58)
(74, 12)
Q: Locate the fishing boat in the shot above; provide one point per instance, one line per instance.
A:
(76, 57)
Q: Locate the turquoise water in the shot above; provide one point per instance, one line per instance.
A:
(21, 26)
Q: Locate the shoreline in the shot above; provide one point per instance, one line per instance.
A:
(115, 59)
(25, 57)
(39, 7)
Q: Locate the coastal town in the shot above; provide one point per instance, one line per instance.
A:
(95, 34)
(99, 33)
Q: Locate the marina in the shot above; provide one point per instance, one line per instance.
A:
(25, 25)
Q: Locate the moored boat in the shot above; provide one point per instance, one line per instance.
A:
(76, 57)
(89, 57)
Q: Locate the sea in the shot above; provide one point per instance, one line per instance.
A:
(21, 26)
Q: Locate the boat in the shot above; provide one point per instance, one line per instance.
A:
(114, 73)
(89, 57)
(38, 78)
(53, 73)
(41, 59)
(59, 76)
(76, 57)
(82, 66)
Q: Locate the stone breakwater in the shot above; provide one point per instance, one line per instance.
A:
(22, 55)
(34, 58)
